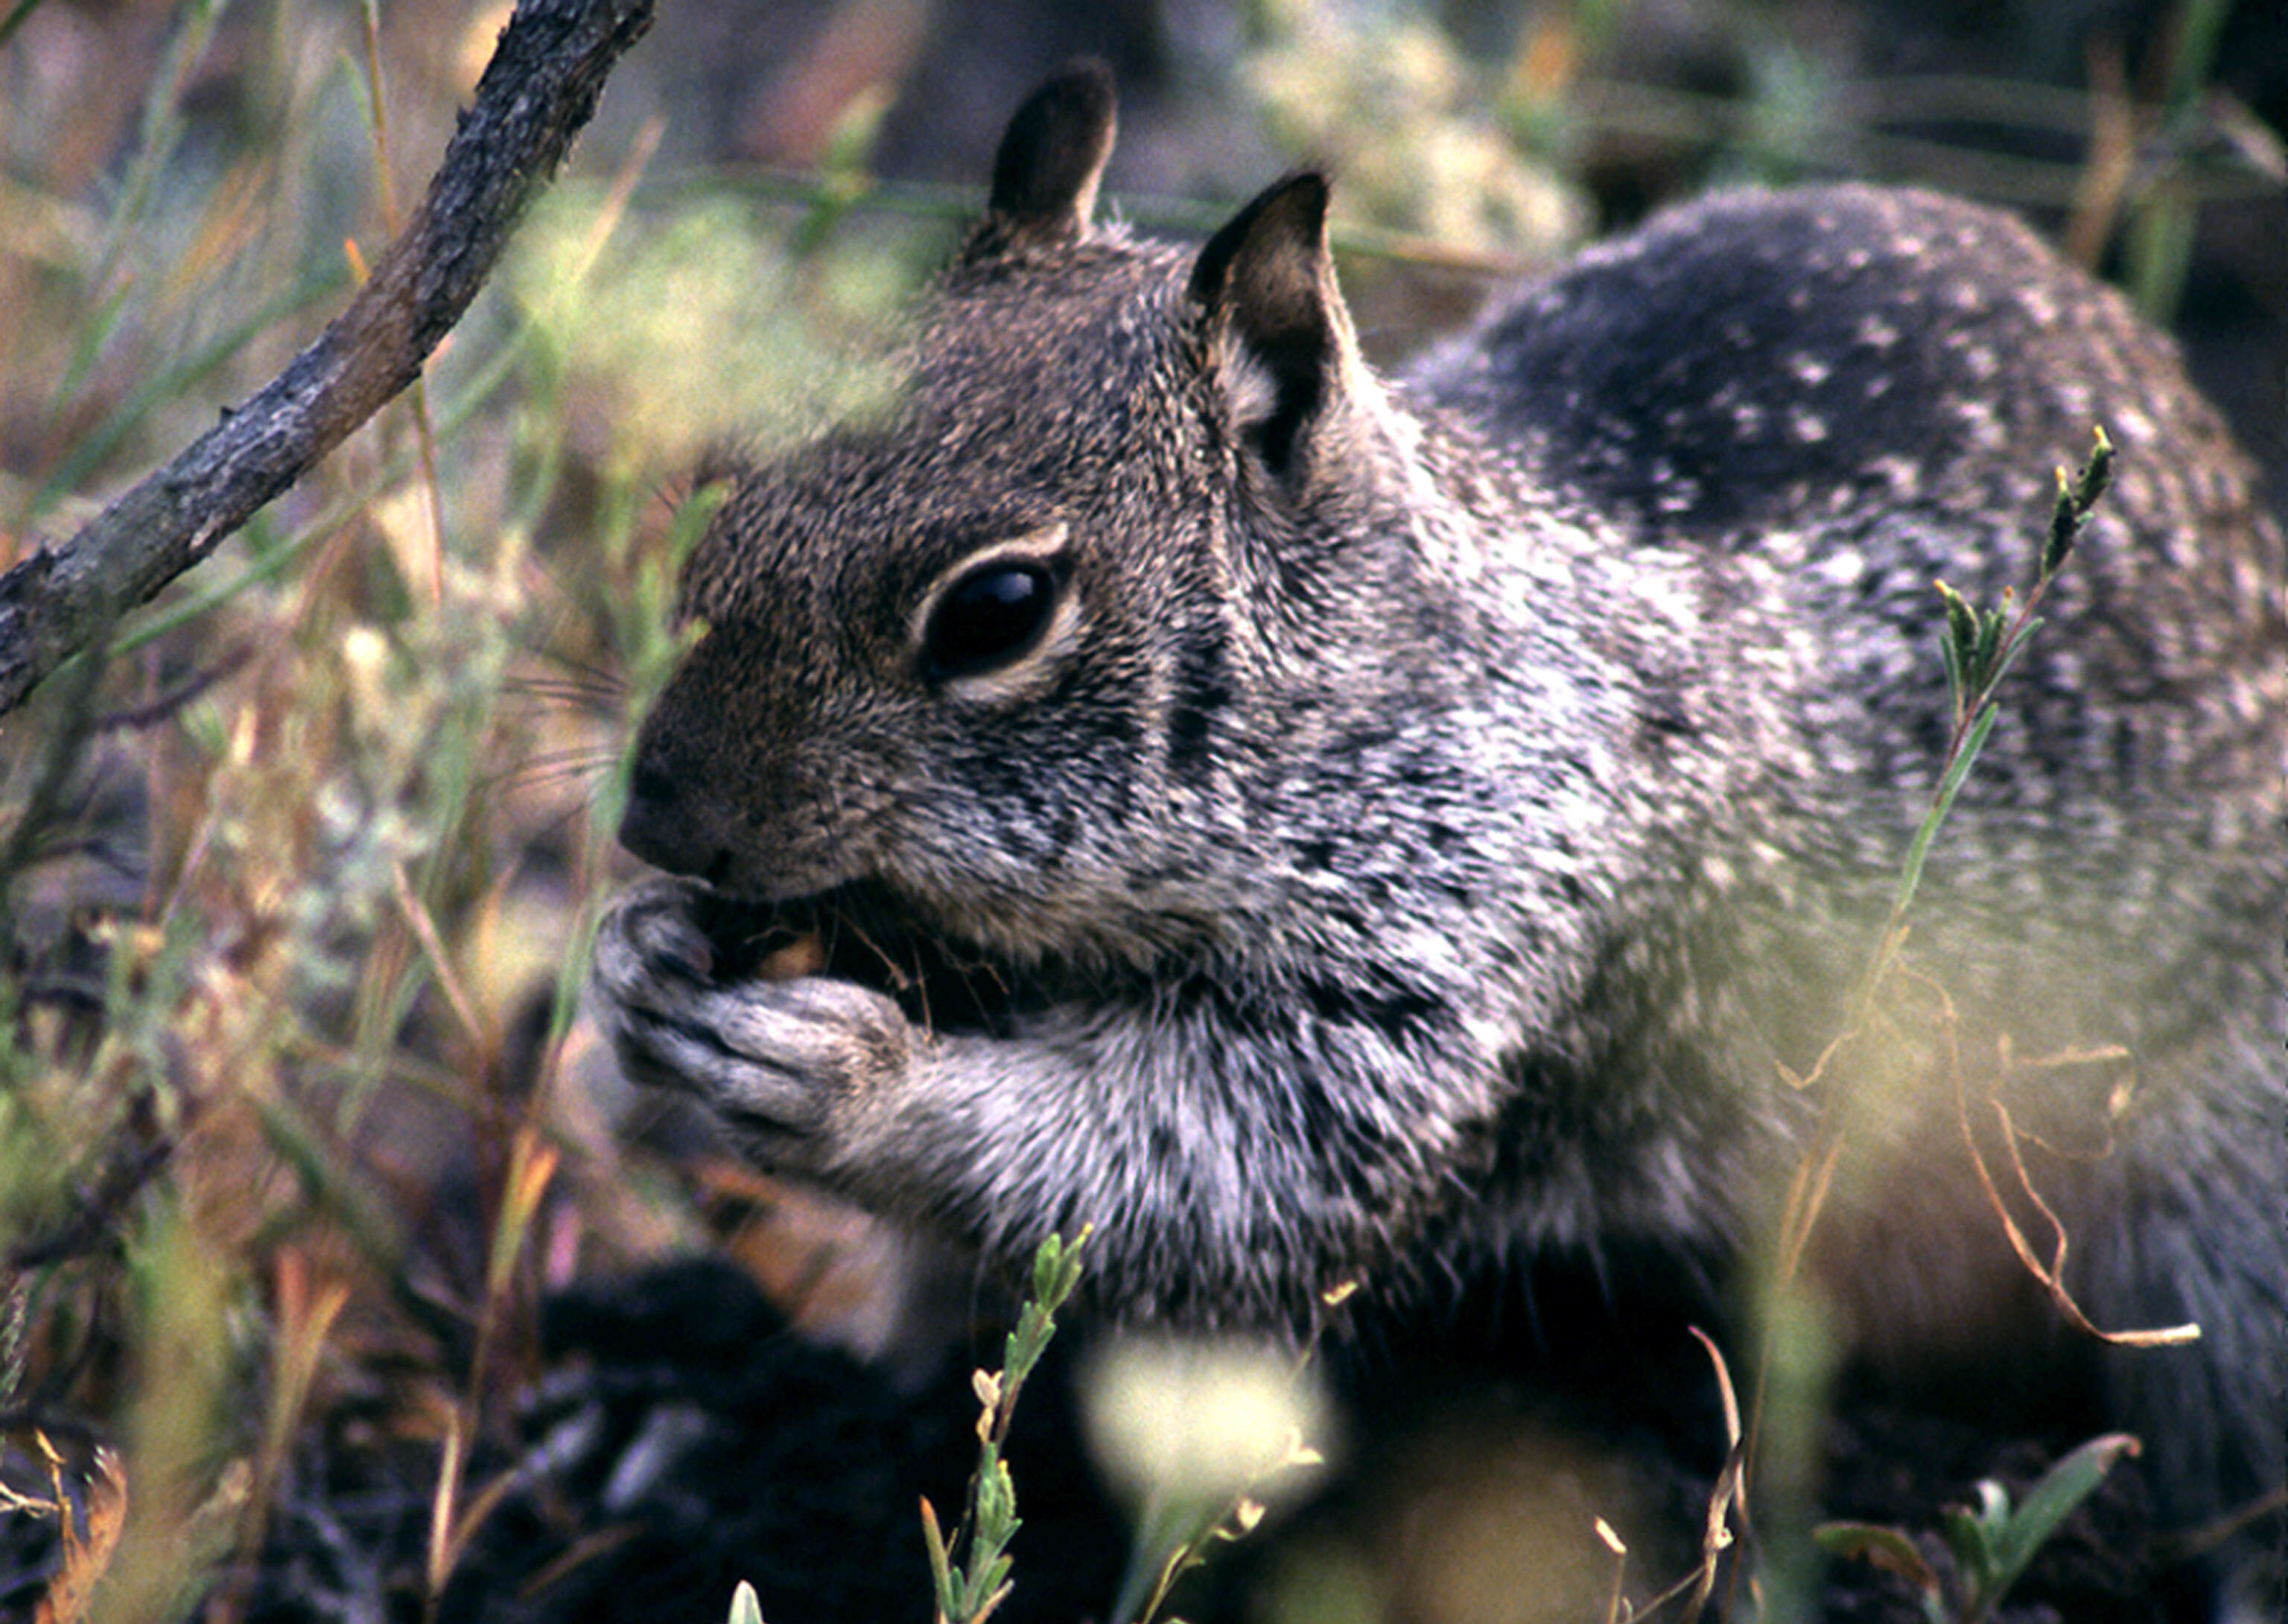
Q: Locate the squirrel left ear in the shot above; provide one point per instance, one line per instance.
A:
(1050, 160)
(1266, 286)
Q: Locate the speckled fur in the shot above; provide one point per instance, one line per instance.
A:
(1441, 801)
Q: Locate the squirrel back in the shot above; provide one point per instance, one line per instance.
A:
(1312, 826)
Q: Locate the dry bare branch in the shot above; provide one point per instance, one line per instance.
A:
(536, 93)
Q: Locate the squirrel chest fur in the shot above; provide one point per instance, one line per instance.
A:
(1315, 827)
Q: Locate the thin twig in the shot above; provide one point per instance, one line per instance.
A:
(539, 90)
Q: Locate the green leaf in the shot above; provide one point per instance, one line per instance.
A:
(997, 1496)
(949, 1596)
(2065, 524)
(1045, 1264)
(2011, 649)
(1962, 617)
(1981, 661)
(2096, 474)
(2077, 498)
(1974, 1535)
(1964, 629)
(1910, 872)
(994, 1581)
(2071, 1480)
(1056, 1270)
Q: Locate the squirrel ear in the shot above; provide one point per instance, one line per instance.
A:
(1267, 285)
(1051, 159)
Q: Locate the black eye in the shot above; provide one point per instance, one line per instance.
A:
(988, 618)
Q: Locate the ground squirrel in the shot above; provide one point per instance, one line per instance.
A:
(1310, 825)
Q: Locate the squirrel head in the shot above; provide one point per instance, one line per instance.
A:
(1000, 648)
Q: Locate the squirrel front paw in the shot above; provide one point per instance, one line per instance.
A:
(786, 1064)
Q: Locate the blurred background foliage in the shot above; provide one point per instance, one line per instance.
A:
(297, 1121)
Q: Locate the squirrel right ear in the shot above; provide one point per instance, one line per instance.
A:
(1051, 157)
(1276, 322)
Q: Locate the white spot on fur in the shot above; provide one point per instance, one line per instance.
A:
(1875, 333)
(1808, 369)
(1842, 567)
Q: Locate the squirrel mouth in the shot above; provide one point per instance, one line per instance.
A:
(858, 932)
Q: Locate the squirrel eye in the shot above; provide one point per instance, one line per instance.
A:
(988, 618)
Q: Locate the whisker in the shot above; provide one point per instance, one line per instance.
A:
(549, 768)
(588, 695)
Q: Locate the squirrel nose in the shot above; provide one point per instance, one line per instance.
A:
(662, 827)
